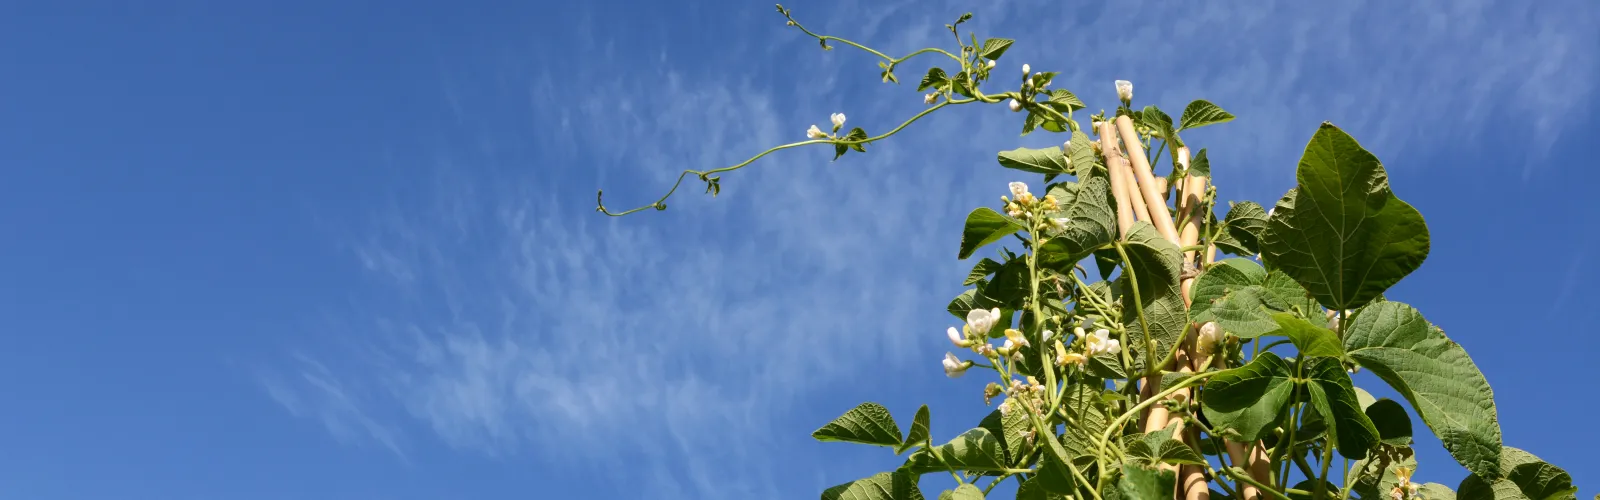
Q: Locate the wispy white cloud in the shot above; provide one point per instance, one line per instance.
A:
(513, 318)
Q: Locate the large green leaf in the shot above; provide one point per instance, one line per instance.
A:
(1055, 475)
(1294, 298)
(1084, 159)
(1010, 428)
(1039, 161)
(1082, 402)
(1523, 476)
(981, 270)
(1034, 489)
(1091, 223)
(1241, 312)
(985, 226)
(965, 492)
(898, 485)
(1200, 113)
(1334, 397)
(1249, 399)
(933, 80)
(1435, 374)
(1157, 265)
(918, 433)
(1246, 222)
(1391, 420)
(1309, 339)
(1139, 483)
(867, 423)
(1341, 233)
(974, 450)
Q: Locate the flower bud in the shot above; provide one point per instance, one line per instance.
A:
(957, 338)
(928, 99)
(990, 65)
(1015, 105)
(815, 133)
(1205, 341)
(1026, 69)
(990, 391)
(838, 121)
(986, 350)
(1125, 91)
(1047, 335)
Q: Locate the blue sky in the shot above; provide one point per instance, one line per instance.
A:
(348, 251)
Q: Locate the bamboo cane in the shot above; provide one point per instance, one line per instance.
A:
(1147, 183)
(1114, 167)
(1136, 196)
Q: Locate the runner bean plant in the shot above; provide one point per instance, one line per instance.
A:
(1129, 362)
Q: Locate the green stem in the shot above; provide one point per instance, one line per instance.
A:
(1322, 479)
(1138, 306)
(1241, 475)
(1038, 316)
(1123, 419)
(658, 203)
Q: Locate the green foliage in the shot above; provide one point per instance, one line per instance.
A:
(1521, 476)
(1071, 370)
(867, 423)
(1435, 376)
(880, 486)
(1341, 233)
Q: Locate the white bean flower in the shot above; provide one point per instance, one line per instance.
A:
(954, 367)
(982, 321)
(928, 99)
(1125, 90)
(815, 133)
(1100, 342)
(1015, 105)
(1014, 336)
(1060, 223)
(838, 120)
(990, 65)
(1019, 190)
(1206, 340)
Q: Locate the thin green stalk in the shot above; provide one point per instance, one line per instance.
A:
(1242, 475)
(1138, 306)
(1038, 316)
(1123, 419)
(1322, 479)
(658, 204)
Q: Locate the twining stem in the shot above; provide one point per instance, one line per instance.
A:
(1244, 476)
(891, 60)
(658, 204)
(1322, 479)
(1038, 316)
(1131, 412)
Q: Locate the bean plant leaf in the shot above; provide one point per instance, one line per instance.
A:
(918, 433)
(981, 270)
(1035, 160)
(1009, 427)
(985, 226)
(1033, 489)
(898, 485)
(1377, 475)
(1309, 339)
(1241, 312)
(1139, 482)
(1246, 222)
(1055, 475)
(1080, 437)
(1091, 224)
(867, 423)
(1436, 491)
(1065, 98)
(974, 450)
(1433, 373)
(1334, 398)
(933, 80)
(1157, 265)
(1523, 476)
(993, 48)
(962, 304)
(1084, 160)
(1200, 113)
(966, 492)
(1248, 400)
(1200, 165)
(1391, 420)
(1159, 447)
(1294, 298)
(1341, 232)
